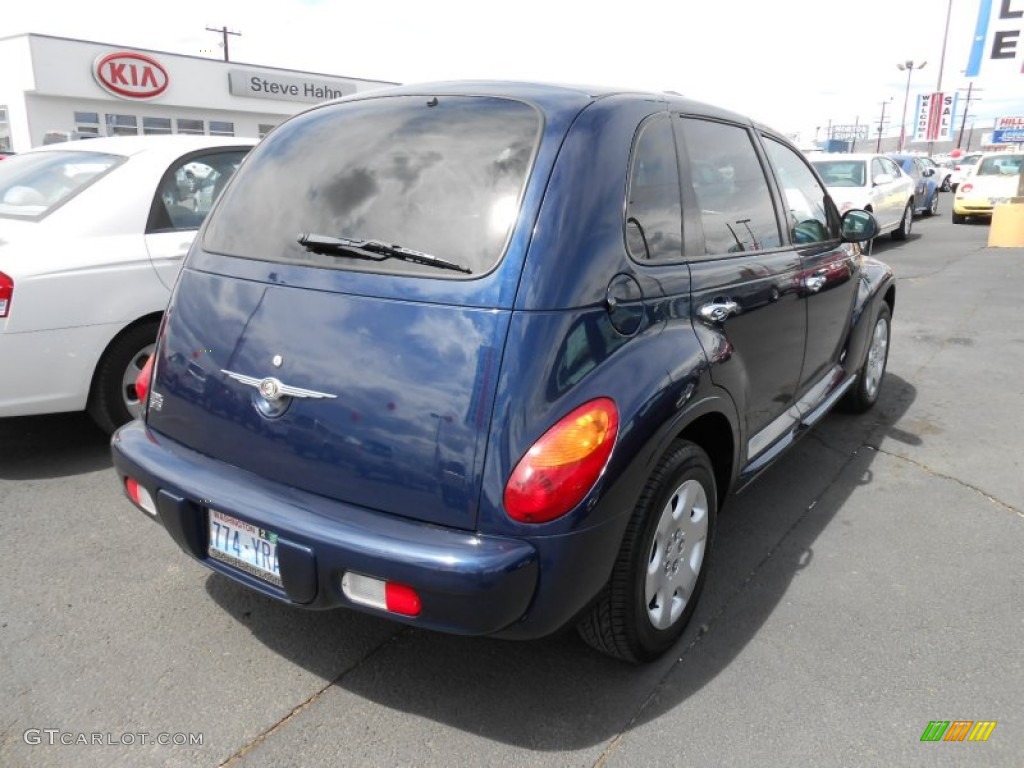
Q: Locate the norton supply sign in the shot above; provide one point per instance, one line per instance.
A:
(274, 86)
(130, 75)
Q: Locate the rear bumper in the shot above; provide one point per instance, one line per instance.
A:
(468, 583)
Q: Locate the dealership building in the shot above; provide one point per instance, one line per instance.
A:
(54, 88)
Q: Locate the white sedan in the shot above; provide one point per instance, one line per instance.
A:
(92, 236)
(872, 182)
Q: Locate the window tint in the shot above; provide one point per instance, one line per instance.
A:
(878, 167)
(891, 168)
(653, 208)
(190, 188)
(733, 194)
(806, 200)
(443, 176)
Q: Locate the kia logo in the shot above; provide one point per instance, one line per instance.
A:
(131, 75)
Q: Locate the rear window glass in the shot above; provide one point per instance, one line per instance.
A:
(842, 173)
(442, 176)
(1007, 165)
(34, 184)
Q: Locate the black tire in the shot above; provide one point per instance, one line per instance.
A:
(111, 400)
(933, 205)
(959, 218)
(946, 185)
(620, 622)
(864, 394)
(902, 232)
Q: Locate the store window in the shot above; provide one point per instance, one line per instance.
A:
(122, 125)
(156, 126)
(265, 128)
(87, 124)
(191, 126)
(5, 131)
(221, 128)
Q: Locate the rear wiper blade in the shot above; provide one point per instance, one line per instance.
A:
(374, 250)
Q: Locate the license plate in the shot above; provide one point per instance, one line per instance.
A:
(244, 546)
(999, 200)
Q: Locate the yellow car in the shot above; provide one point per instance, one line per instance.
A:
(994, 180)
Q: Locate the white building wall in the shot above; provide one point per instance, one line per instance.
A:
(46, 80)
(15, 79)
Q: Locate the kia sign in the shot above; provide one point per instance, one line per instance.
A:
(130, 75)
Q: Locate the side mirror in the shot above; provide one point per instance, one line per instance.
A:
(882, 178)
(856, 226)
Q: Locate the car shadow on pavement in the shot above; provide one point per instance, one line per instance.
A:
(60, 445)
(556, 694)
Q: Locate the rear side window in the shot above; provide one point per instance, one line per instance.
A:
(443, 176)
(653, 209)
(732, 191)
(34, 184)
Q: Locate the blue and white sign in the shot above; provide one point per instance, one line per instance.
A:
(998, 37)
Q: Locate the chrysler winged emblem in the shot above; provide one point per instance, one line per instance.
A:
(273, 389)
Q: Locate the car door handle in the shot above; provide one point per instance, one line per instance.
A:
(814, 283)
(718, 310)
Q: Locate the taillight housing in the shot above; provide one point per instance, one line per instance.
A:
(6, 294)
(143, 380)
(563, 465)
(966, 187)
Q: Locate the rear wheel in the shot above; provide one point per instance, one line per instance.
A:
(946, 185)
(906, 223)
(661, 567)
(865, 392)
(959, 218)
(933, 206)
(113, 400)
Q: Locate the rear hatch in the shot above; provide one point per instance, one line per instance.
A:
(340, 364)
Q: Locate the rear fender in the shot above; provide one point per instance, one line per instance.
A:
(877, 284)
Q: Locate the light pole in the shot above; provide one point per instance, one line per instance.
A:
(909, 66)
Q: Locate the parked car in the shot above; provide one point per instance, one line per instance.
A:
(942, 172)
(993, 181)
(962, 166)
(875, 183)
(491, 356)
(92, 235)
(926, 186)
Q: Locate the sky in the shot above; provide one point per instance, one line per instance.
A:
(796, 65)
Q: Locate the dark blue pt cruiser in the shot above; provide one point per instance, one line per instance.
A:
(486, 358)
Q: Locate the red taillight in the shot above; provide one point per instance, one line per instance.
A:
(401, 599)
(140, 496)
(966, 187)
(6, 294)
(561, 468)
(142, 381)
(380, 594)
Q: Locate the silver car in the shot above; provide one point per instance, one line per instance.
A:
(872, 182)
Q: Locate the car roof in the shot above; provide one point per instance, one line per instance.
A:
(554, 96)
(133, 145)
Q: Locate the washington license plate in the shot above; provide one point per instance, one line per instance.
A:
(244, 546)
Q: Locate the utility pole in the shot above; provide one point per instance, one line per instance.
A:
(942, 62)
(881, 125)
(967, 106)
(224, 33)
(853, 142)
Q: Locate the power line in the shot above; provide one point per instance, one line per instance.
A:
(223, 31)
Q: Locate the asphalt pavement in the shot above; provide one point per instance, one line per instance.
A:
(868, 584)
